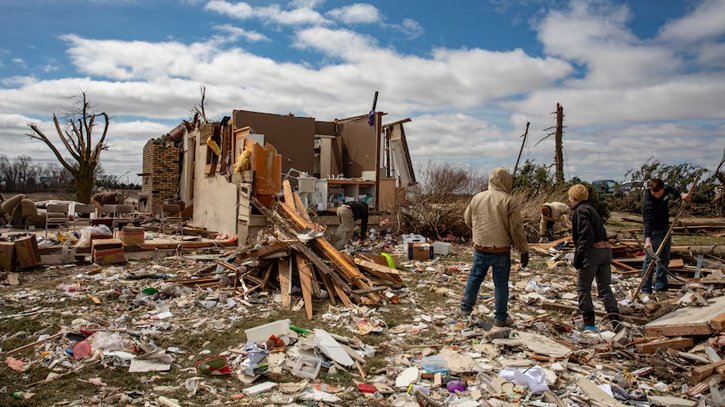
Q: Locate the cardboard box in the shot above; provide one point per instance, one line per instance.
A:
(131, 238)
(26, 250)
(420, 251)
(107, 251)
(8, 259)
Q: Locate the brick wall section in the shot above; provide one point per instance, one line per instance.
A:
(161, 160)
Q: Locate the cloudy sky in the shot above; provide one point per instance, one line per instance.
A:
(637, 79)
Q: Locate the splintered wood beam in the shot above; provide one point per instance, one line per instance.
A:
(328, 287)
(289, 198)
(652, 347)
(301, 207)
(386, 273)
(348, 270)
(299, 247)
(263, 251)
(284, 274)
(266, 274)
(343, 297)
(306, 283)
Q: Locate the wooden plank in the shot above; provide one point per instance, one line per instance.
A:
(550, 244)
(301, 207)
(625, 266)
(265, 250)
(386, 273)
(306, 283)
(687, 321)
(652, 347)
(289, 198)
(267, 274)
(284, 271)
(343, 297)
(718, 323)
(675, 264)
(347, 270)
(328, 287)
(301, 248)
(698, 374)
(570, 308)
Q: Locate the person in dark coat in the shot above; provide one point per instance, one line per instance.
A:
(106, 198)
(656, 217)
(592, 259)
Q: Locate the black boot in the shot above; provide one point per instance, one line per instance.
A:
(587, 321)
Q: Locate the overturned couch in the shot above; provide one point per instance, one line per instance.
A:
(21, 212)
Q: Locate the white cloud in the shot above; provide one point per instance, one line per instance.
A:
(626, 79)
(410, 28)
(162, 79)
(358, 13)
(237, 32)
(707, 21)
(595, 34)
(48, 68)
(633, 98)
(301, 14)
(20, 62)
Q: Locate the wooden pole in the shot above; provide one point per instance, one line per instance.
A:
(559, 134)
(521, 150)
(667, 236)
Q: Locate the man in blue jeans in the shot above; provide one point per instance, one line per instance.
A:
(656, 217)
(495, 220)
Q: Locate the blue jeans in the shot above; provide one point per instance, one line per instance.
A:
(501, 264)
(661, 275)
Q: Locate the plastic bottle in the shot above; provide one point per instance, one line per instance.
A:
(19, 395)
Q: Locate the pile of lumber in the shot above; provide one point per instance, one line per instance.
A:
(706, 226)
(283, 261)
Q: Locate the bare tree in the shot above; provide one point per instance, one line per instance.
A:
(78, 141)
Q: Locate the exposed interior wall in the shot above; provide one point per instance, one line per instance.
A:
(358, 146)
(215, 198)
(293, 137)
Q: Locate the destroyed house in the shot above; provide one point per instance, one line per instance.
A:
(327, 162)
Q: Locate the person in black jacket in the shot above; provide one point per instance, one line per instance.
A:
(348, 213)
(592, 259)
(656, 217)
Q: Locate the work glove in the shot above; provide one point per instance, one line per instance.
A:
(524, 259)
(578, 262)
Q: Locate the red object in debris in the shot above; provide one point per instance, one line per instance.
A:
(452, 268)
(366, 388)
(81, 349)
(87, 332)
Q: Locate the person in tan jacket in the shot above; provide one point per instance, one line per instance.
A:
(495, 219)
(551, 212)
